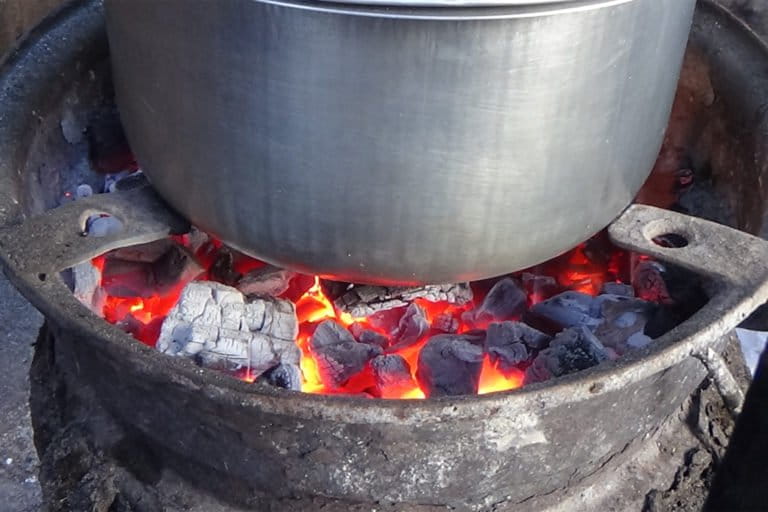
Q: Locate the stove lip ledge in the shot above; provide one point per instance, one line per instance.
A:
(55, 56)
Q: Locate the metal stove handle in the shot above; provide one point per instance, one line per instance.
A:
(57, 239)
(737, 260)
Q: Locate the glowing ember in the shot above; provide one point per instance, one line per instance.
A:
(585, 269)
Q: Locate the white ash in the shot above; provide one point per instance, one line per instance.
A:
(572, 350)
(88, 289)
(510, 343)
(339, 356)
(83, 191)
(624, 322)
(214, 324)
(363, 301)
(450, 365)
(412, 327)
(504, 301)
(393, 376)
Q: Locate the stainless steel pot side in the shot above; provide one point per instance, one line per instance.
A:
(397, 144)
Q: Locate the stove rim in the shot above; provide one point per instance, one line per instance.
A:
(48, 52)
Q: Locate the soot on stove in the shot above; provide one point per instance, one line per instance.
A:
(192, 296)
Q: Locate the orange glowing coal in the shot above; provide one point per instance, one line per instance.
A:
(577, 270)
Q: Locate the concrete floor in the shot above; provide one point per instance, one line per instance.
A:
(19, 322)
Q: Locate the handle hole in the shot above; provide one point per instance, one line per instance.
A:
(101, 225)
(671, 241)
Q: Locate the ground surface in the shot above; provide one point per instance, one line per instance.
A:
(676, 489)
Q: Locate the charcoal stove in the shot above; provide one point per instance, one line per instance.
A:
(262, 447)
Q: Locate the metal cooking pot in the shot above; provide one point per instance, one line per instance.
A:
(392, 142)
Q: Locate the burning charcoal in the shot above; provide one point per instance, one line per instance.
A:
(370, 337)
(298, 286)
(446, 322)
(386, 320)
(540, 287)
(286, 376)
(334, 289)
(572, 350)
(144, 253)
(503, 335)
(625, 321)
(222, 269)
(88, 290)
(363, 301)
(623, 290)
(128, 278)
(508, 356)
(569, 309)
(338, 355)
(449, 365)
(505, 300)
(411, 328)
(177, 265)
(214, 324)
(393, 376)
(266, 281)
(649, 284)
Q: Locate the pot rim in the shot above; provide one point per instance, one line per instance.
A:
(448, 10)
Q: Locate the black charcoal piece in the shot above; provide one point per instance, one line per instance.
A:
(145, 253)
(568, 309)
(508, 343)
(177, 265)
(540, 286)
(572, 350)
(223, 270)
(504, 301)
(286, 376)
(649, 284)
(371, 337)
(449, 365)
(393, 376)
(339, 356)
(621, 289)
(412, 327)
(267, 281)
